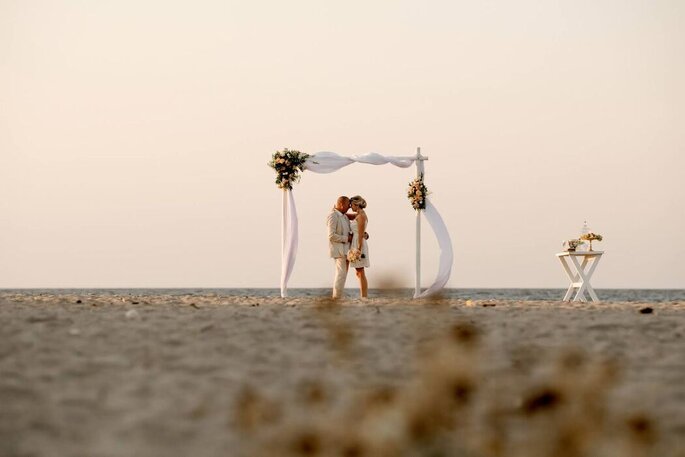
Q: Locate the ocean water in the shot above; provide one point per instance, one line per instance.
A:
(627, 295)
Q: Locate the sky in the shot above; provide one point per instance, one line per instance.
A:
(135, 136)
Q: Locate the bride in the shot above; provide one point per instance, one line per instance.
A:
(359, 249)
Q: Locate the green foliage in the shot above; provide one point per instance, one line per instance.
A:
(288, 164)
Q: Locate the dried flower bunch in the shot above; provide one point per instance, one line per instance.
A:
(288, 165)
(417, 193)
(591, 237)
(543, 404)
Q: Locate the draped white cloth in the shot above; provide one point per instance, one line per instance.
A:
(328, 162)
(289, 240)
(445, 245)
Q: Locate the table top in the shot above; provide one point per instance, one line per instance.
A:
(584, 253)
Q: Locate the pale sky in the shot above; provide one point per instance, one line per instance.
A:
(134, 137)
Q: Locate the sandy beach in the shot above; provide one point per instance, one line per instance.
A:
(161, 375)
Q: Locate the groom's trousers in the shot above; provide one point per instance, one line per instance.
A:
(341, 266)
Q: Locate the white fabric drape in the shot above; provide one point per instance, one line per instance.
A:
(445, 245)
(289, 240)
(328, 162)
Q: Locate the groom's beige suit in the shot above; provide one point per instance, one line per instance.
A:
(338, 244)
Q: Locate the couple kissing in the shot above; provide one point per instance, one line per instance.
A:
(346, 246)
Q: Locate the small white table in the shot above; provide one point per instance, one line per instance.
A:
(577, 273)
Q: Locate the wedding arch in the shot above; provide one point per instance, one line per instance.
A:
(289, 163)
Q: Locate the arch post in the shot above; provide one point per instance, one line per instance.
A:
(419, 172)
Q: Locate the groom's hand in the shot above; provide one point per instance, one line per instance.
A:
(366, 236)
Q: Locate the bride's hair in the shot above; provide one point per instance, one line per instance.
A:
(358, 200)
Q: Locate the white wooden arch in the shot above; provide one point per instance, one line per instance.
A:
(328, 162)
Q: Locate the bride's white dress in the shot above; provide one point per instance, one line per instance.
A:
(363, 262)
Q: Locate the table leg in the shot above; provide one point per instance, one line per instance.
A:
(580, 294)
(579, 276)
(569, 292)
(570, 275)
(585, 285)
(590, 290)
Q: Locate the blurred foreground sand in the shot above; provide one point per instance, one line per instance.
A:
(164, 375)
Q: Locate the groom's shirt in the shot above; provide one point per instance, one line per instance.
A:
(338, 231)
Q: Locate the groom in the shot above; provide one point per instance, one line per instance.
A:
(339, 238)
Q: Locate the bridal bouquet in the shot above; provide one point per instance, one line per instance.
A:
(417, 193)
(288, 165)
(353, 255)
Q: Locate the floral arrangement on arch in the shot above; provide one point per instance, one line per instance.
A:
(417, 193)
(288, 165)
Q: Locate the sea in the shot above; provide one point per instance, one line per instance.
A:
(622, 295)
